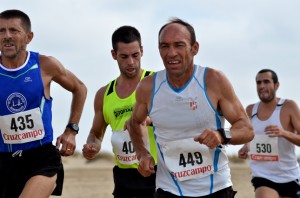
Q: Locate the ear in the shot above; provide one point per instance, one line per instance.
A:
(29, 37)
(114, 54)
(276, 86)
(195, 48)
(142, 51)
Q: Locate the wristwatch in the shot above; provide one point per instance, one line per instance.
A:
(226, 134)
(74, 127)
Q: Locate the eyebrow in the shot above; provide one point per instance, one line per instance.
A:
(265, 81)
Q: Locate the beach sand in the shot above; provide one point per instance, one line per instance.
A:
(94, 179)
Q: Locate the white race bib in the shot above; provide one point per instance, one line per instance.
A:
(264, 148)
(22, 127)
(187, 159)
(123, 147)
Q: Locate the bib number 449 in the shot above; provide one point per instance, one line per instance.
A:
(191, 158)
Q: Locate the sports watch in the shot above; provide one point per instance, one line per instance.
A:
(74, 127)
(226, 134)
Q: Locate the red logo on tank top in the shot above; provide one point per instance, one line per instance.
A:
(193, 105)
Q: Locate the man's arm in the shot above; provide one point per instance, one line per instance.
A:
(290, 121)
(53, 70)
(233, 111)
(243, 152)
(137, 124)
(95, 137)
(224, 99)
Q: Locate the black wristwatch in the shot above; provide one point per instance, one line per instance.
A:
(74, 127)
(226, 134)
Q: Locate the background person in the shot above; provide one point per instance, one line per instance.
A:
(276, 122)
(113, 106)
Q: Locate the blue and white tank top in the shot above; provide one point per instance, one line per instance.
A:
(25, 112)
(179, 115)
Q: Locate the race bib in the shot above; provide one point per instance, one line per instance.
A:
(22, 127)
(264, 148)
(187, 159)
(123, 147)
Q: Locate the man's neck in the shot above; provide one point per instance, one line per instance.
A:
(13, 62)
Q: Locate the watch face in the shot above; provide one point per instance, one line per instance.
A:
(227, 133)
(75, 127)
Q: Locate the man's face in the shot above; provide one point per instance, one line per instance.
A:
(128, 56)
(266, 89)
(176, 50)
(13, 37)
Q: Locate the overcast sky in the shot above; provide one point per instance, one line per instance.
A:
(236, 37)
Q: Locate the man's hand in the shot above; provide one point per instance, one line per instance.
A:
(146, 166)
(210, 138)
(243, 152)
(67, 140)
(90, 150)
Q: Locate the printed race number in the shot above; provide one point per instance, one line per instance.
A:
(192, 158)
(128, 147)
(263, 148)
(21, 122)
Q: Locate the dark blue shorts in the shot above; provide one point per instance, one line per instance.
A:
(16, 170)
(289, 189)
(129, 183)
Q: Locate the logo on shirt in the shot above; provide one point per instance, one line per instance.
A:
(16, 102)
(193, 104)
(27, 79)
(119, 112)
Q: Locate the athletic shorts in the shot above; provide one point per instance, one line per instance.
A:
(224, 193)
(130, 183)
(17, 168)
(289, 189)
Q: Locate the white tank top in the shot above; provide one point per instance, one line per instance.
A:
(284, 170)
(178, 116)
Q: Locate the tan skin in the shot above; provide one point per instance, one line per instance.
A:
(128, 57)
(14, 40)
(289, 118)
(177, 54)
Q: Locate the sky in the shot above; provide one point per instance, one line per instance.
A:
(237, 37)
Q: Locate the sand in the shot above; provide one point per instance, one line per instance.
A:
(93, 179)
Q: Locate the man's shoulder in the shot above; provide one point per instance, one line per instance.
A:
(289, 104)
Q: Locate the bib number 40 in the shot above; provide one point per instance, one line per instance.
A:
(128, 147)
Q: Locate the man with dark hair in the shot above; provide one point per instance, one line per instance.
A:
(30, 166)
(276, 121)
(188, 105)
(113, 106)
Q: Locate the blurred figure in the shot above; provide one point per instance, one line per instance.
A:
(276, 121)
(113, 106)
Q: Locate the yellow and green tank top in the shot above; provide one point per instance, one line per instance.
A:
(117, 111)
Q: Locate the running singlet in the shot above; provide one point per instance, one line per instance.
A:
(116, 112)
(25, 113)
(185, 167)
(275, 158)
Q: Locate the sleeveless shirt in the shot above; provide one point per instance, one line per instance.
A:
(116, 112)
(22, 91)
(179, 115)
(286, 169)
